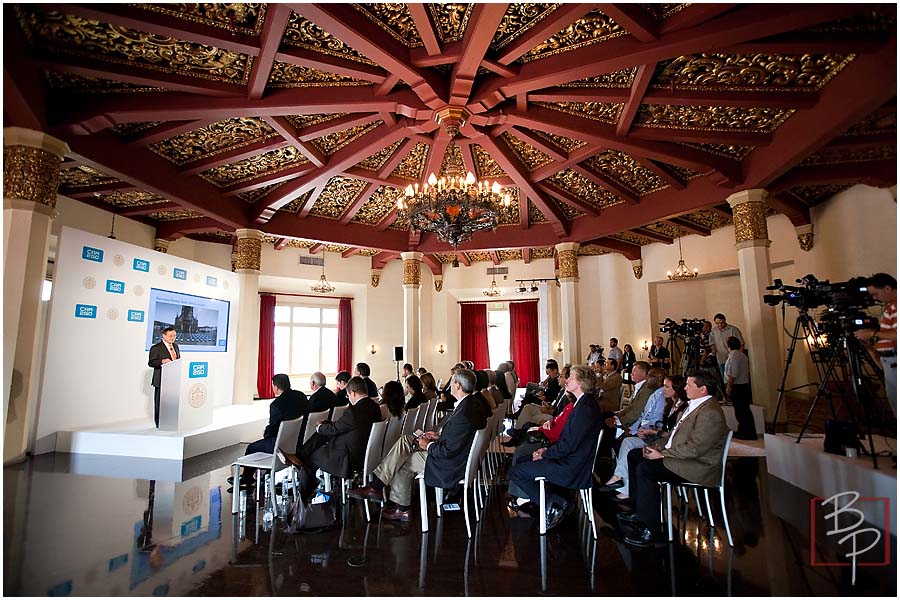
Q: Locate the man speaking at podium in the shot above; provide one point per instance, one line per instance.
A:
(161, 353)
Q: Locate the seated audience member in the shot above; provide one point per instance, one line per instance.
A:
(676, 403)
(502, 370)
(692, 453)
(429, 386)
(737, 389)
(598, 368)
(407, 371)
(614, 350)
(628, 360)
(288, 405)
(629, 415)
(546, 391)
(415, 395)
(595, 353)
(533, 415)
(447, 400)
(610, 386)
(441, 456)
(659, 354)
(393, 401)
(568, 463)
(482, 386)
(362, 370)
(339, 447)
(512, 378)
(492, 387)
(422, 371)
(340, 384)
(322, 398)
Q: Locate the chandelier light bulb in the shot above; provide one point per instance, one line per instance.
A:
(470, 178)
(432, 179)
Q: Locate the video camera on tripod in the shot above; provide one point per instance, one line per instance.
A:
(688, 328)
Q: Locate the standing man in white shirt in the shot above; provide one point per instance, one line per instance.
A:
(719, 338)
(614, 350)
(164, 351)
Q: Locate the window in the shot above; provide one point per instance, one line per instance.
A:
(306, 340)
(498, 335)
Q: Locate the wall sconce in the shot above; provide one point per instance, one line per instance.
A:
(645, 347)
(373, 349)
(441, 348)
(559, 346)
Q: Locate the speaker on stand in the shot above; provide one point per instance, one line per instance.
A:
(398, 358)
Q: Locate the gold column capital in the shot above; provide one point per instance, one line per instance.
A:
(412, 268)
(749, 210)
(161, 245)
(567, 255)
(249, 250)
(31, 165)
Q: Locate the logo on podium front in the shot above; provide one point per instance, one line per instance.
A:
(197, 395)
(198, 369)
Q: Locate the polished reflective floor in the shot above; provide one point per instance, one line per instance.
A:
(75, 534)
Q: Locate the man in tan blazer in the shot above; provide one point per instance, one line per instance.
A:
(693, 453)
(611, 386)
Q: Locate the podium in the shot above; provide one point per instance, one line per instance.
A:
(184, 401)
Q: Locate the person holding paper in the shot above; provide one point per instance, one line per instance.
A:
(164, 351)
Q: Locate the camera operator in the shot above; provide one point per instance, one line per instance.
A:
(883, 288)
(720, 334)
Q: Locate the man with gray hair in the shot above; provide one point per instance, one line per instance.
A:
(442, 457)
(322, 398)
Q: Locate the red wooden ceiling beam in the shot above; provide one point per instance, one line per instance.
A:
(544, 145)
(287, 130)
(855, 142)
(461, 257)
(358, 203)
(314, 228)
(315, 248)
(555, 22)
(789, 206)
(280, 243)
(383, 258)
(863, 86)
(875, 173)
(86, 191)
(331, 64)
(742, 99)
(688, 226)
(652, 235)
(350, 252)
(570, 199)
(693, 15)
(232, 156)
(664, 172)
(482, 26)
(575, 157)
(450, 53)
(433, 264)
(807, 42)
(277, 16)
(502, 70)
(123, 15)
(396, 158)
(150, 172)
(700, 136)
(510, 164)
(439, 143)
(524, 217)
(335, 125)
(165, 131)
(425, 28)
(166, 229)
(137, 211)
(267, 179)
(526, 255)
(721, 210)
(607, 183)
(24, 98)
(630, 251)
(635, 19)
(353, 28)
(638, 89)
(495, 258)
(388, 220)
(392, 180)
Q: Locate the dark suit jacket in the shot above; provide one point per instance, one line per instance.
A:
(340, 398)
(291, 404)
(322, 399)
(446, 463)
(415, 400)
(346, 439)
(572, 456)
(696, 452)
(371, 387)
(158, 352)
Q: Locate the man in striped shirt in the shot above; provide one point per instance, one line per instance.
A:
(883, 288)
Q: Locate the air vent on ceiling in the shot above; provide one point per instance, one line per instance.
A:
(312, 260)
(498, 270)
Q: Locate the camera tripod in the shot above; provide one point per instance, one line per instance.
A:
(673, 345)
(807, 325)
(690, 360)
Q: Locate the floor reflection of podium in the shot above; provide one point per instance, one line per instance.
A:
(181, 509)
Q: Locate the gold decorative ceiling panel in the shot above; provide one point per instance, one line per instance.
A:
(726, 150)
(94, 40)
(752, 72)
(295, 243)
(132, 198)
(413, 164)
(579, 185)
(337, 195)
(296, 204)
(174, 215)
(812, 195)
(303, 33)
(450, 20)
(880, 121)
(631, 238)
(830, 156)
(874, 22)
(255, 166)
(377, 160)
(478, 256)
(509, 215)
(608, 112)
(331, 143)
(127, 130)
(213, 139)
(711, 118)
(402, 222)
(535, 215)
(661, 12)
(546, 252)
(665, 229)
(519, 18)
(254, 195)
(593, 28)
(444, 259)
(571, 212)
(485, 165)
(335, 248)
(245, 18)
(368, 252)
(452, 161)
(591, 250)
(286, 75)
(616, 79)
(301, 121)
(71, 83)
(82, 176)
(707, 218)
(627, 171)
(687, 174)
(395, 19)
(566, 143)
(383, 200)
(528, 155)
(505, 255)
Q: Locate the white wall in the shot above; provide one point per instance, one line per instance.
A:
(95, 369)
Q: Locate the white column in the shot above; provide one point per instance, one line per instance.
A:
(544, 320)
(247, 266)
(567, 253)
(412, 309)
(761, 329)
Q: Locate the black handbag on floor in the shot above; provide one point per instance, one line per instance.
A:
(315, 515)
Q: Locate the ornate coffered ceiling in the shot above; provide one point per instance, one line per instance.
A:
(614, 125)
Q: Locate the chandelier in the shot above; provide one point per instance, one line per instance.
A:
(493, 291)
(681, 272)
(322, 286)
(456, 205)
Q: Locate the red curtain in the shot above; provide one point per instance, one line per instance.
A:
(345, 336)
(473, 334)
(266, 367)
(523, 340)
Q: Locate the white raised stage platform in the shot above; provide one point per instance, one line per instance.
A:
(807, 466)
(140, 438)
